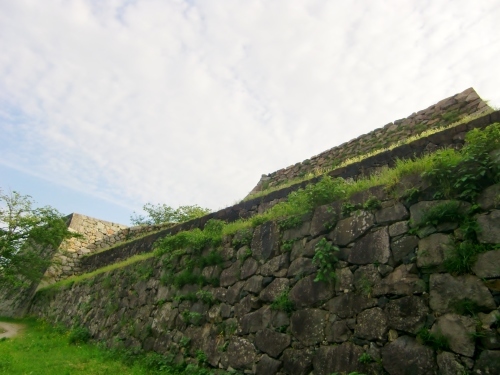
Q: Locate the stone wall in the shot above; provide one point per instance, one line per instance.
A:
(97, 235)
(452, 137)
(438, 115)
(268, 315)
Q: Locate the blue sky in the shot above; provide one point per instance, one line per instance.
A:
(107, 105)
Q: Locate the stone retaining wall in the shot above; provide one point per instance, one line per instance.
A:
(390, 284)
(438, 115)
(97, 235)
(452, 137)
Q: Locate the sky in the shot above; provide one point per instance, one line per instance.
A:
(106, 105)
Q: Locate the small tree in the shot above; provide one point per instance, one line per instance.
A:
(28, 236)
(161, 213)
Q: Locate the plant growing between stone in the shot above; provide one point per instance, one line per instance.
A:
(434, 340)
(365, 358)
(283, 303)
(326, 260)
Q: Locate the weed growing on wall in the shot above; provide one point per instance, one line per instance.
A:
(434, 340)
(283, 303)
(326, 260)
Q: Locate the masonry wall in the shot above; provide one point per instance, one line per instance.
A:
(390, 284)
(438, 115)
(453, 137)
(96, 235)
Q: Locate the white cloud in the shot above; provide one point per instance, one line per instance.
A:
(189, 102)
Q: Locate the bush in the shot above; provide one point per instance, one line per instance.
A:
(79, 335)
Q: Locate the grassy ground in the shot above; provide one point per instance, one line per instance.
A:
(41, 350)
(44, 350)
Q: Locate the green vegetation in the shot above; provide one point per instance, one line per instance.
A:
(449, 120)
(434, 340)
(28, 235)
(326, 260)
(45, 350)
(451, 172)
(466, 307)
(365, 358)
(283, 303)
(161, 213)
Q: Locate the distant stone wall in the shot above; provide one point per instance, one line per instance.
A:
(390, 284)
(453, 137)
(438, 115)
(97, 235)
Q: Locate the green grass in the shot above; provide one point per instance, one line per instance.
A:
(450, 171)
(44, 350)
(89, 275)
(323, 171)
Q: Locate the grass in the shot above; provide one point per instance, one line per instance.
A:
(45, 350)
(89, 275)
(323, 171)
(442, 168)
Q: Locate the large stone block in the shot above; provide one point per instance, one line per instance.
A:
(445, 291)
(271, 342)
(403, 249)
(347, 230)
(459, 330)
(265, 241)
(488, 362)
(308, 326)
(489, 198)
(402, 281)
(407, 314)
(240, 353)
(349, 305)
(487, 264)
(433, 250)
(343, 358)
(371, 325)
(256, 321)
(267, 366)
(306, 292)
(489, 227)
(405, 356)
(391, 214)
(297, 362)
(372, 248)
(325, 218)
(273, 290)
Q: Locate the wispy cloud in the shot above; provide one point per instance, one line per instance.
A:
(189, 102)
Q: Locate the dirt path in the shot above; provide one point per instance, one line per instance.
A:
(11, 329)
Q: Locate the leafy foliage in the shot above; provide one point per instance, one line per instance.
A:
(283, 303)
(161, 213)
(464, 174)
(28, 236)
(326, 260)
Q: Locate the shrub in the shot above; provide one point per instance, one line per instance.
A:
(79, 335)
(283, 303)
(326, 260)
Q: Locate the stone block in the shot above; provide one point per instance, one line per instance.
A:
(306, 292)
(308, 326)
(265, 241)
(445, 291)
(406, 353)
(271, 342)
(407, 314)
(347, 230)
(391, 214)
(372, 248)
(489, 227)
